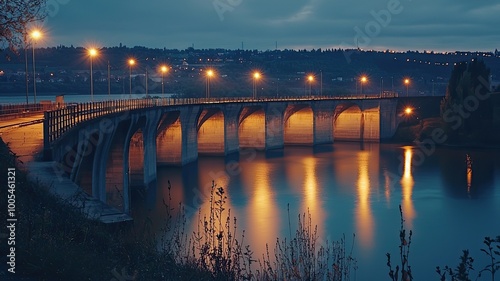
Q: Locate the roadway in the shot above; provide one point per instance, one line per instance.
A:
(24, 135)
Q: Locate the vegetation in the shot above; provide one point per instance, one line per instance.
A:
(15, 16)
(404, 255)
(466, 109)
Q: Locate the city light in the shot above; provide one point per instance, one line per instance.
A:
(363, 80)
(310, 78)
(408, 110)
(164, 69)
(210, 74)
(407, 83)
(131, 62)
(92, 54)
(256, 76)
(35, 35)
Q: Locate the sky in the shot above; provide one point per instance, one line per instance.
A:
(439, 25)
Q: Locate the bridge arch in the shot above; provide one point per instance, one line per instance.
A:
(169, 139)
(211, 131)
(252, 127)
(356, 122)
(298, 125)
(347, 124)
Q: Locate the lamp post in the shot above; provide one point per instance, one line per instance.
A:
(407, 82)
(163, 70)
(310, 79)
(256, 76)
(363, 81)
(131, 62)
(35, 35)
(210, 73)
(381, 86)
(92, 54)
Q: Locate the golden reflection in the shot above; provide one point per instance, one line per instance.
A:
(262, 210)
(407, 184)
(311, 202)
(469, 173)
(364, 219)
(387, 186)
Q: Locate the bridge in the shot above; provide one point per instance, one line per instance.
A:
(136, 135)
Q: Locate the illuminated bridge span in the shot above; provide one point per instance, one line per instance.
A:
(136, 135)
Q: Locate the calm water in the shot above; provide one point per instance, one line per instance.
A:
(351, 188)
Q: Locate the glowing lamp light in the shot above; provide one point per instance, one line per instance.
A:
(408, 110)
(36, 34)
(93, 52)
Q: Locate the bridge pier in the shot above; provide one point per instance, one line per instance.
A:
(231, 124)
(389, 119)
(275, 133)
(323, 122)
(149, 138)
(99, 166)
(189, 124)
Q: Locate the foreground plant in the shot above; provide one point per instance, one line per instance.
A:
(299, 258)
(461, 272)
(404, 254)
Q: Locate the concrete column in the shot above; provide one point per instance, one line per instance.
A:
(323, 122)
(275, 135)
(389, 120)
(82, 147)
(231, 125)
(149, 135)
(99, 165)
(189, 118)
(126, 177)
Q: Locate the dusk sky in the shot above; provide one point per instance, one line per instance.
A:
(444, 25)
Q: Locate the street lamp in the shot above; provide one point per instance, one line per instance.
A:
(131, 62)
(164, 70)
(408, 110)
(210, 73)
(256, 76)
(407, 82)
(363, 81)
(310, 78)
(92, 54)
(35, 35)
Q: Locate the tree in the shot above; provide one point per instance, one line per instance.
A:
(15, 16)
(466, 107)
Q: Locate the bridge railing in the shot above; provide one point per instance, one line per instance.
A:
(59, 121)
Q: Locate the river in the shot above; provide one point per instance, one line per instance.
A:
(450, 199)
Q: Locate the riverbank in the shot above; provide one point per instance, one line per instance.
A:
(54, 241)
(423, 130)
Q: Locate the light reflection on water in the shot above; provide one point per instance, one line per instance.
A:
(352, 188)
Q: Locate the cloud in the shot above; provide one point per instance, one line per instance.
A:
(259, 23)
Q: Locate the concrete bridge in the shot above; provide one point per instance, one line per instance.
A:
(104, 144)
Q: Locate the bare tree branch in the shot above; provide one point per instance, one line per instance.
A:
(15, 16)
